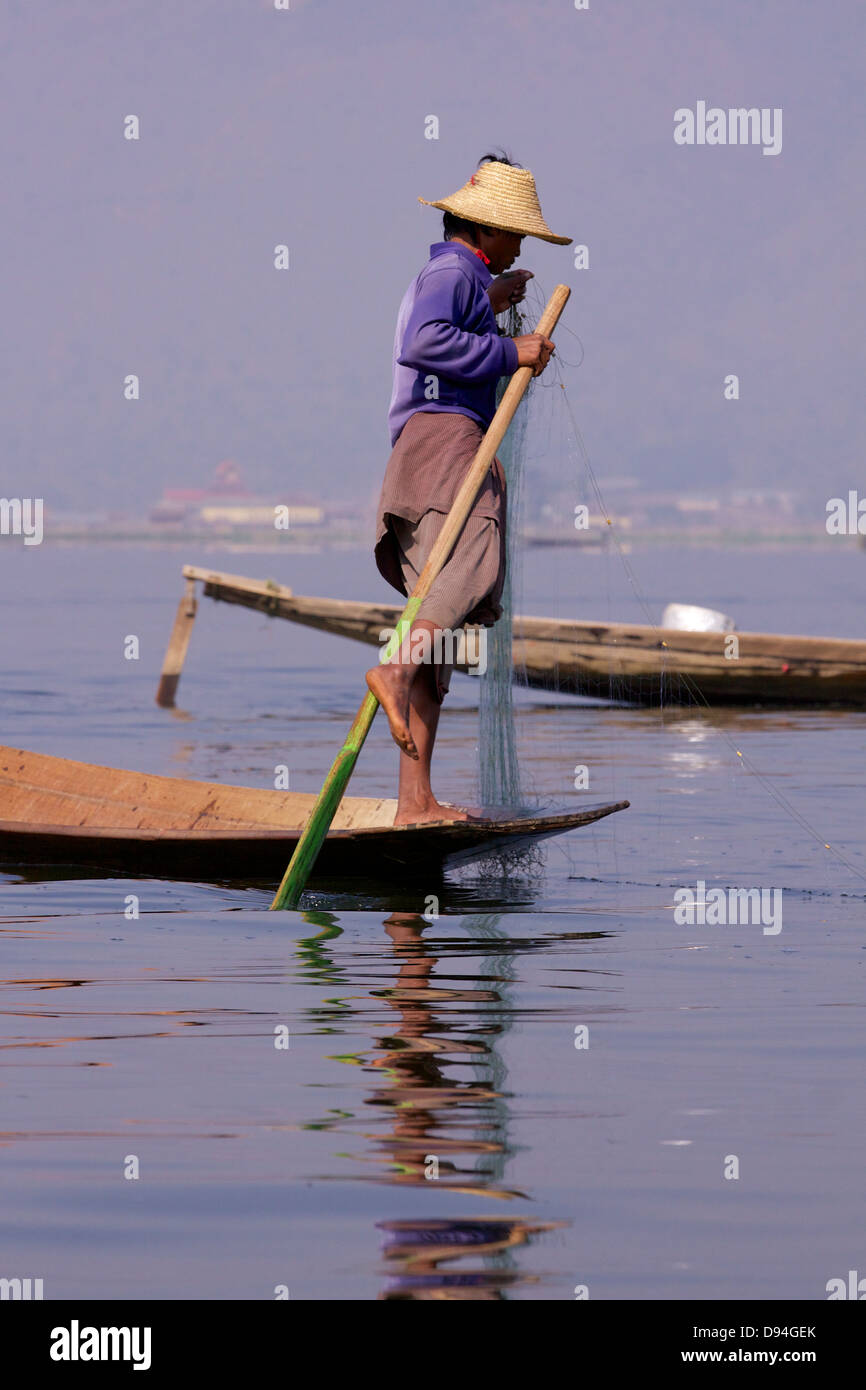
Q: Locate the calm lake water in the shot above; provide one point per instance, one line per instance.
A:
(445, 1047)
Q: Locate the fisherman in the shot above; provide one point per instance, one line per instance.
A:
(448, 358)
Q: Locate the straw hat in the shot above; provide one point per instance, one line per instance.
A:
(502, 196)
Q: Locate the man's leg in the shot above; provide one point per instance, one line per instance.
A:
(407, 687)
(392, 684)
(406, 690)
(416, 801)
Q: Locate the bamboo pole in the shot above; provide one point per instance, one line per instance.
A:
(307, 848)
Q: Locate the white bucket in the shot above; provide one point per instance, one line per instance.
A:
(689, 618)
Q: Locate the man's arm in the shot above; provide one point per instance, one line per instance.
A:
(434, 343)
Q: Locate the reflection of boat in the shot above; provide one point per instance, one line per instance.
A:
(618, 661)
(55, 811)
(566, 538)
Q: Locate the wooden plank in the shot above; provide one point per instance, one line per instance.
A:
(239, 582)
(178, 644)
(59, 791)
(847, 652)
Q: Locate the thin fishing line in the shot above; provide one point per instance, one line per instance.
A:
(686, 682)
(778, 796)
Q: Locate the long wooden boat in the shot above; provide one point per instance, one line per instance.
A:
(55, 811)
(616, 661)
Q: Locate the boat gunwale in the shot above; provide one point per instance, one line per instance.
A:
(533, 826)
(598, 632)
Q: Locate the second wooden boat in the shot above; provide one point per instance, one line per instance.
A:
(59, 812)
(615, 661)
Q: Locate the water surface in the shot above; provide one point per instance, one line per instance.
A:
(431, 1129)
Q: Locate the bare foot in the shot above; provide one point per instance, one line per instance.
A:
(431, 811)
(391, 688)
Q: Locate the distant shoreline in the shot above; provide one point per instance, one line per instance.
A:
(243, 539)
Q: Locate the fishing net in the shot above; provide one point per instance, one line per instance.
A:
(498, 765)
(669, 695)
(544, 425)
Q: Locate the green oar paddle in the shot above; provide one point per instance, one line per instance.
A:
(322, 814)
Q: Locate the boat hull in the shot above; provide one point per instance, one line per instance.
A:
(215, 857)
(634, 663)
(62, 813)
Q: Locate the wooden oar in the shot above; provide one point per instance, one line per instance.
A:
(304, 857)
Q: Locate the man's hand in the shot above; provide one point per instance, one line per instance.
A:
(535, 351)
(507, 289)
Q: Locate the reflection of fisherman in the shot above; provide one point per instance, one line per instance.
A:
(448, 358)
(420, 1097)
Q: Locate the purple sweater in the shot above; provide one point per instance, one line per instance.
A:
(446, 330)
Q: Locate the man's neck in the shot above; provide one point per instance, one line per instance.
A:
(464, 242)
(476, 250)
